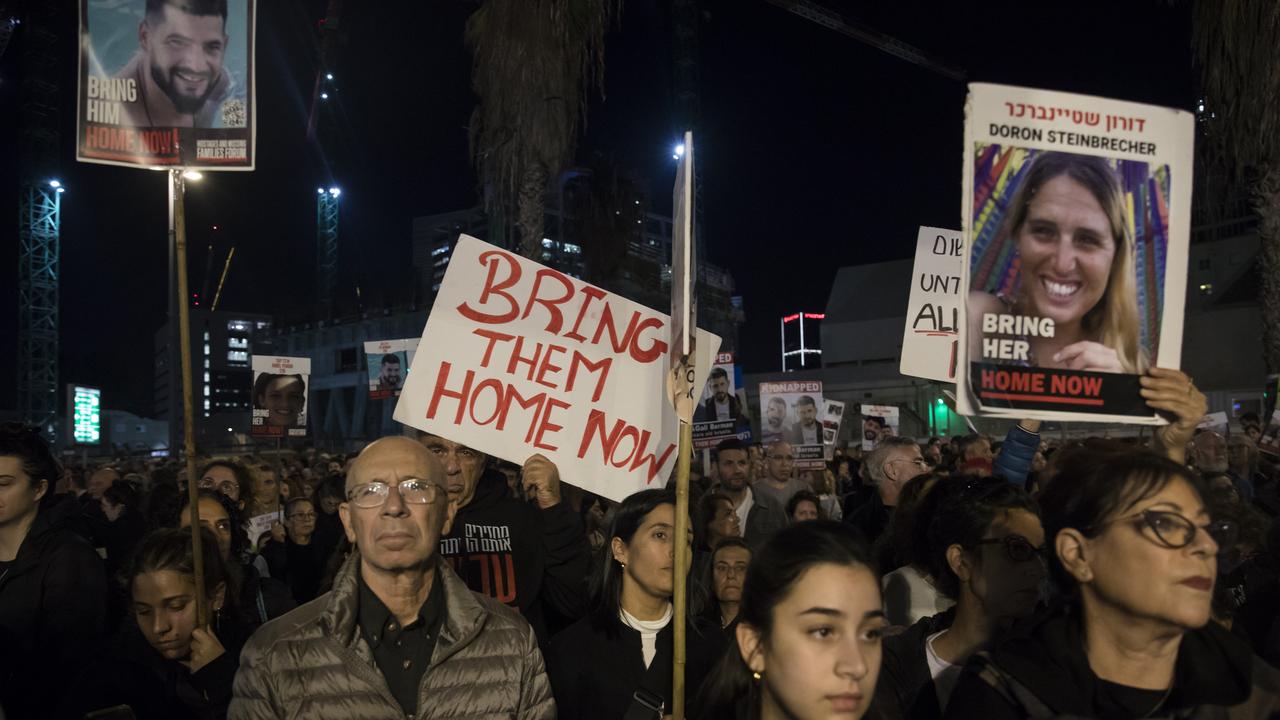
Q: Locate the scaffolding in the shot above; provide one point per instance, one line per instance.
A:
(326, 246)
(39, 221)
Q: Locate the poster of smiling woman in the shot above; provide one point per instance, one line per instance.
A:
(1077, 216)
(166, 83)
(279, 396)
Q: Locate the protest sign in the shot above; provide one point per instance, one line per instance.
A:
(173, 87)
(280, 396)
(931, 339)
(684, 285)
(387, 362)
(1270, 440)
(1076, 215)
(722, 411)
(832, 418)
(878, 423)
(1214, 421)
(258, 526)
(517, 358)
(789, 413)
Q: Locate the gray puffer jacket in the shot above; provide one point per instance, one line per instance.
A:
(314, 663)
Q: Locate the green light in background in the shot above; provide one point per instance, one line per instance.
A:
(86, 423)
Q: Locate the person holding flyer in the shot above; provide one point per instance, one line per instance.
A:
(1067, 222)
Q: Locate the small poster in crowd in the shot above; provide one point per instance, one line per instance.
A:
(722, 411)
(1076, 215)
(832, 418)
(518, 358)
(258, 528)
(878, 423)
(931, 339)
(279, 396)
(387, 363)
(789, 413)
(1216, 422)
(166, 84)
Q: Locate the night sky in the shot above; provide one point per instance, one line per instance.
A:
(817, 152)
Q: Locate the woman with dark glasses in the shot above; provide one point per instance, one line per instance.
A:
(1133, 550)
(983, 550)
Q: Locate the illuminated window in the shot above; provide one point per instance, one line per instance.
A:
(1206, 289)
(238, 342)
(206, 376)
(238, 325)
(238, 356)
(206, 348)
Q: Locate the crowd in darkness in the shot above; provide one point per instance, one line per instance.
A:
(964, 577)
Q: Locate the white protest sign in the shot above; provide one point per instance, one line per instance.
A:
(1216, 421)
(878, 423)
(931, 340)
(831, 420)
(684, 303)
(518, 358)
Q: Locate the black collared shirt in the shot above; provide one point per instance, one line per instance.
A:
(402, 653)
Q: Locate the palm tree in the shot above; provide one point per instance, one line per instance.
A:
(606, 210)
(534, 62)
(1236, 44)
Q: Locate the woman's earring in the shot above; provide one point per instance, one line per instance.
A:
(755, 676)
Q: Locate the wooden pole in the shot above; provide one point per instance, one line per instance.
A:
(178, 236)
(682, 570)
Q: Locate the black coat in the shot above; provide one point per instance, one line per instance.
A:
(130, 672)
(905, 688)
(53, 602)
(595, 672)
(533, 560)
(1041, 671)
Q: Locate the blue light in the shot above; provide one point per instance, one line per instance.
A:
(324, 96)
(55, 184)
(679, 151)
(319, 191)
(328, 76)
(335, 191)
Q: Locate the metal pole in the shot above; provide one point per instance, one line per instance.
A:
(682, 569)
(178, 234)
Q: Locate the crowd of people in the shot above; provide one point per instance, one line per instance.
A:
(969, 577)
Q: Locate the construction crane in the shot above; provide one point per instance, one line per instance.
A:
(834, 20)
(323, 99)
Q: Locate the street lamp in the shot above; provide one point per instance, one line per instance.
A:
(678, 152)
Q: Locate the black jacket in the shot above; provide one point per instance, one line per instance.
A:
(262, 598)
(595, 672)
(53, 602)
(871, 519)
(299, 566)
(905, 686)
(130, 672)
(533, 560)
(1042, 671)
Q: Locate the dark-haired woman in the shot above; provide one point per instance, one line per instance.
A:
(808, 638)
(618, 658)
(984, 552)
(1135, 550)
(53, 587)
(167, 663)
(259, 598)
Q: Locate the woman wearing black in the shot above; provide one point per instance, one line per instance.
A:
(617, 660)
(168, 663)
(1134, 550)
(53, 587)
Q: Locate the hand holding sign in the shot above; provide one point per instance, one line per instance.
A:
(541, 481)
(1171, 392)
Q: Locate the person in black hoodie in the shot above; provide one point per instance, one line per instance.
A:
(531, 555)
(1134, 551)
(53, 587)
(984, 550)
(617, 660)
(166, 662)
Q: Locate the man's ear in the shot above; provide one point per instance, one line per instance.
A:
(344, 512)
(450, 512)
(1074, 553)
(750, 647)
(144, 36)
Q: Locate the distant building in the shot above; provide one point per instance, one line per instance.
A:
(221, 346)
(801, 343)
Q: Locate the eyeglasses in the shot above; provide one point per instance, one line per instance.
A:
(303, 516)
(1016, 547)
(918, 462)
(412, 490)
(1175, 531)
